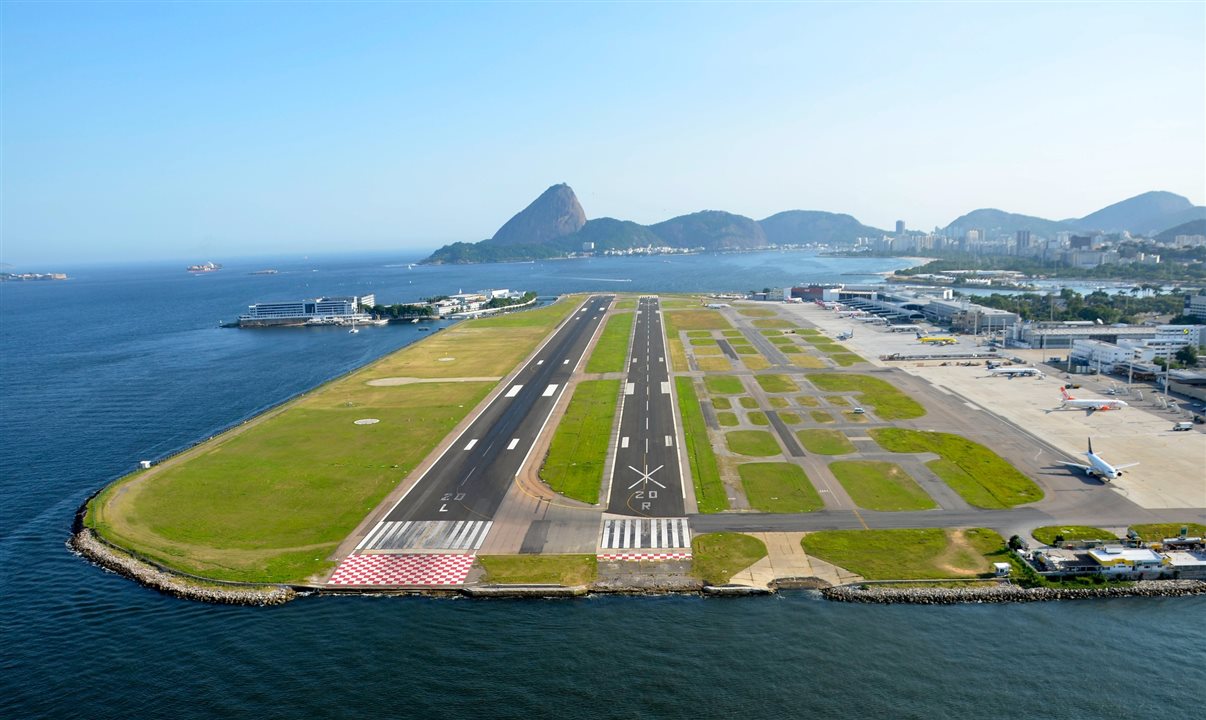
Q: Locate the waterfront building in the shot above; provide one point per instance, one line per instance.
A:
(333, 310)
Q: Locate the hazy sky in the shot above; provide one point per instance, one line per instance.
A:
(211, 130)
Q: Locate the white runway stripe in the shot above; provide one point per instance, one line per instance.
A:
(548, 391)
(645, 533)
(514, 390)
(471, 444)
(427, 535)
(511, 445)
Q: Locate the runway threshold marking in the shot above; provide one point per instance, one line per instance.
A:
(514, 390)
(548, 391)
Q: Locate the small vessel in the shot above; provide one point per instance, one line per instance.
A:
(204, 267)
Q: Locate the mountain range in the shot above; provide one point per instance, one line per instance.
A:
(554, 225)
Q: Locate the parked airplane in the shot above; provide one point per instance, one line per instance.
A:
(1098, 467)
(846, 335)
(1090, 404)
(937, 339)
(1011, 372)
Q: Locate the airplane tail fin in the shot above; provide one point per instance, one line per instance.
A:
(1090, 446)
(1063, 390)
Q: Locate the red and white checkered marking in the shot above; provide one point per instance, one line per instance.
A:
(642, 557)
(402, 570)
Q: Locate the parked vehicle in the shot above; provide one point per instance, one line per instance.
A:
(1183, 426)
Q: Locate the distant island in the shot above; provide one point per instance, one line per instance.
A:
(555, 226)
(23, 277)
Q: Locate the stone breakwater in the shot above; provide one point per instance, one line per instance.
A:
(1007, 593)
(88, 545)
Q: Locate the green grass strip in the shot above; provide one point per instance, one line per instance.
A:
(825, 442)
(889, 403)
(574, 466)
(723, 385)
(709, 489)
(569, 570)
(611, 352)
(1049, 534)
(716, 557)
(778, 488)
(921, 554)
(777, 383)
(983, 478)
(755, 443)
(880, 486)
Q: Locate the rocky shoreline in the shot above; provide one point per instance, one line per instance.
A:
(85, 542)
(1004, 593)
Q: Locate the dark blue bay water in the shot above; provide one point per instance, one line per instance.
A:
(123, 363)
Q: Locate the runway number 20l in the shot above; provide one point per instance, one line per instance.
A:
(448, 497)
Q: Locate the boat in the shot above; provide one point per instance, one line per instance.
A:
(204, 267)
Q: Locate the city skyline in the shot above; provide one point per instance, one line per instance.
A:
(166, 131)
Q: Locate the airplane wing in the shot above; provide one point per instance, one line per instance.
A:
(1120, 467)
(1078, 466)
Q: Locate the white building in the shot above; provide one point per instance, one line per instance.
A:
(1101, 355)
(1115, 560)
(1195, 305)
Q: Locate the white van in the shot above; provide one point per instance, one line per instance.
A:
(1183, 426)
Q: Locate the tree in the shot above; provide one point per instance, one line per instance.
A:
(1187, 356)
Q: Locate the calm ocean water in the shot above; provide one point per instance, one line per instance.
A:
(127, 362)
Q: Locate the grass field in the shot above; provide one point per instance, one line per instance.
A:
(758, 312)
(685, 320)
(718, 556)
(727, 419)
(678, 355)
(821, 416)
(732, 333)
(626, 304)
(846, 359)
(790, 418)
(269, 500)
(703, 342)
(889, 403)
(922, 554)
(574, 466)
(771, 323)
(807, 401)
(723, 385)
(1047, 535)
(567, 570)
(745, 349)
(707, 350)
(807, 331)
(979, 475)
(748, 402)
(777, 383)
(755, 443)
(699, 333)
(778, 488)
(837, 401)
(825, 442)
(709, 489)
(611, 351)
(758, 418)
(722, 403)
(880, 486)
(755, 362)
(713, 364)
(808, 362)
(780, 339)
(778, 403)
(1158, 531)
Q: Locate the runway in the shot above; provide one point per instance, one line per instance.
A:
(452, 503)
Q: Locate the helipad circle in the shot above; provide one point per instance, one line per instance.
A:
(367, 421)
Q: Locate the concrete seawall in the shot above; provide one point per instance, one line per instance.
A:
(1007, 593)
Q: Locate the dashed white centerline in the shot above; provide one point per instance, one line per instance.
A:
(514, 390)
(548, 391)
(565, 362)
(539, 362)
(515, 441)
(471, 444)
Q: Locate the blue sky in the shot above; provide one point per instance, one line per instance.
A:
(209, 130)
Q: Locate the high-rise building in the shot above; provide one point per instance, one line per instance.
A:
(1023, 242)
(900, 228)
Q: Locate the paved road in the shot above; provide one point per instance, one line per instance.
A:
(471, 478)
(646, 478)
